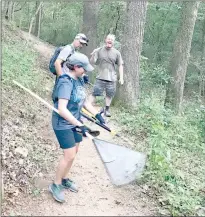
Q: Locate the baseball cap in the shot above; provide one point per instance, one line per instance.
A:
(81, 60)
(82, 38)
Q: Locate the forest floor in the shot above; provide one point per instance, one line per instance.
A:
(27, 124)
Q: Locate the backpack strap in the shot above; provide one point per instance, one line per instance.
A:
(55, 99)
(73, 50)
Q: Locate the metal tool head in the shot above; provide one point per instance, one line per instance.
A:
(122, 164)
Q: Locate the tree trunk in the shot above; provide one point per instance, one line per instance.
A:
(54, 34)
(9, 10)
(39, 25)
(6, 10)
(12, 8)
(32, 19)
(180, 55)
(202, 71)
(131, 50)
(38, 20)
(90, 16)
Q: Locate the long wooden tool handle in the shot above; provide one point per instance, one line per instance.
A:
(44, 102)
(36, 96)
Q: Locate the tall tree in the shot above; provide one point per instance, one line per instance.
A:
(38, 19)
(131, 50)
(181, 54)
(32, 19)
(8, 10)
(90, 16)
(202, 68)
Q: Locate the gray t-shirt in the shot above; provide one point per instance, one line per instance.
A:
(106, 61)
(72, 90)
(64, 54)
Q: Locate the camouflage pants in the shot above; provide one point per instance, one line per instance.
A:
(101, 85)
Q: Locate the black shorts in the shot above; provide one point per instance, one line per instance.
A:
(101, 85)
(68, 138)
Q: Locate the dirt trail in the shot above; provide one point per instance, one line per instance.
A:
(96, 196)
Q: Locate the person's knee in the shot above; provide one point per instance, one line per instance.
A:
(110, 93)
(111, 90)
(69, 155)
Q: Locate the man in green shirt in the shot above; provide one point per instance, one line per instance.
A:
(107, 58)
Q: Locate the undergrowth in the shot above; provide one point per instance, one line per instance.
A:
(175, 146)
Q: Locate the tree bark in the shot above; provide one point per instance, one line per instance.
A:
(180, 55)
(131, 50)
(90, 16)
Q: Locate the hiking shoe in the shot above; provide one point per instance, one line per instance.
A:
(107, 113)
(69, 184)
(57, 192)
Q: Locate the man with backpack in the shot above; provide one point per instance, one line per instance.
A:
(107, 58)
(61, 56)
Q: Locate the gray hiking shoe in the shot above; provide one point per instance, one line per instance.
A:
(57, 192)
(69, 184)
(107, 113)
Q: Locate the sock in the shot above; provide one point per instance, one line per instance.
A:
(107, 108)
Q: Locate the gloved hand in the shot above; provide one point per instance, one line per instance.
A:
(86, 79)
(100, 118)
(83, 129)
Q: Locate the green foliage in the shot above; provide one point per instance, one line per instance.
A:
(175, 169)
(18, 62)
(153, 75)
(160, 31)
(62, 22)
(111, 19)
(175, 144)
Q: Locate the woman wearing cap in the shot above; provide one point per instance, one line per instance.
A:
(69, 97)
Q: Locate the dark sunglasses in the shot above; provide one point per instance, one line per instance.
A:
(85, 39)
(83, 43)
(79, 66)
